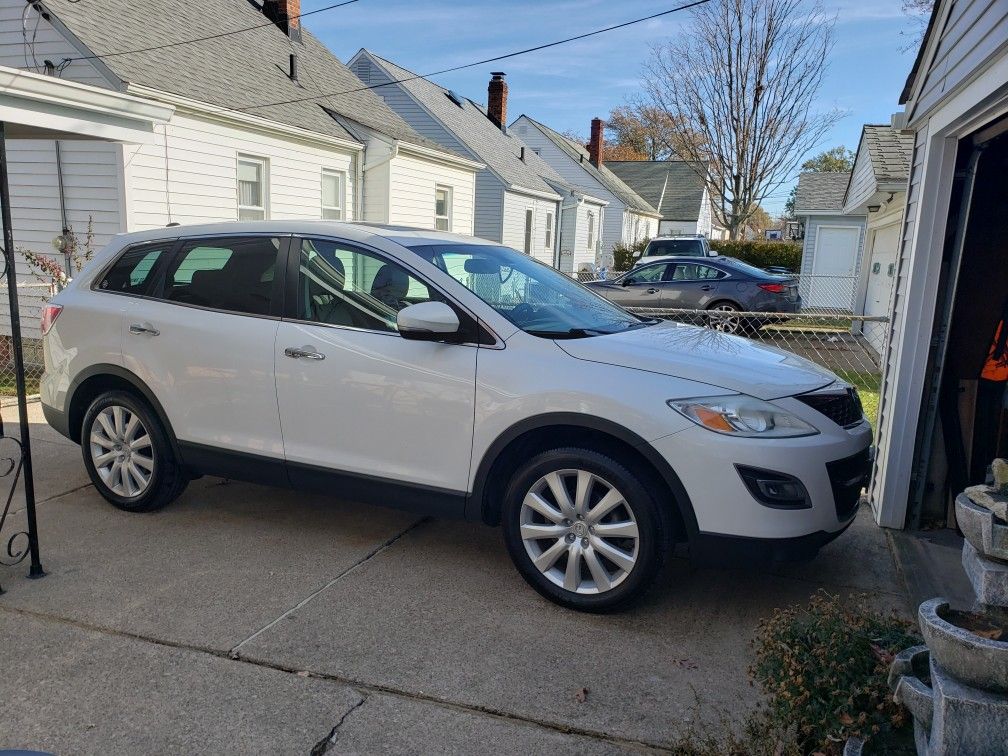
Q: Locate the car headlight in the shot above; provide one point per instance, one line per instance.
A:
(740, 415)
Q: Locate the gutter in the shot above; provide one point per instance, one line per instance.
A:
(438, 156)
(534, 192)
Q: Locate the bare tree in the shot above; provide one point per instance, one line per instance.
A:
(739, 84)
(919, 13)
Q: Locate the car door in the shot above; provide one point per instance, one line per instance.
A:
(640, 287)
(203, 342)
(360, 405)
(693, 286)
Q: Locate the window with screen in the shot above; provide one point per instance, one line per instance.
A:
(253, 188)
(442, 208)
(333, 188)
(549, 231)
(234, 274)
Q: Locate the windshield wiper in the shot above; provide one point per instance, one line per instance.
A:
(570, 333)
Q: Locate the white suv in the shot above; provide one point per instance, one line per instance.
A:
(451, 376)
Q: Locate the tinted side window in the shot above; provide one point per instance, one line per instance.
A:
(131, 273)
(344, 286)
(225, 274)
(650, 274)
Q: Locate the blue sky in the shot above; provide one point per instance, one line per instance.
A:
(567, 85)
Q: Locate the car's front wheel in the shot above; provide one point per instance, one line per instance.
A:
(128, 455)
(583, 530)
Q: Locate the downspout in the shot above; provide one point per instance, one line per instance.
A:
(67, 259)
(359, 185)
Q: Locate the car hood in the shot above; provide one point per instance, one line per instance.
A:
(706, 356)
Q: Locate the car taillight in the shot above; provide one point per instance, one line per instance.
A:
(774, 288)
(49, 314)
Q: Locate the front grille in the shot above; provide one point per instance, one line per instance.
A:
(848, 476)
(842, 407)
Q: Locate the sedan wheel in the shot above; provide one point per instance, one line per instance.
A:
(722, 318)
(121, 451)
(586, 542)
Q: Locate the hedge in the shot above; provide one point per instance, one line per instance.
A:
(761, 253)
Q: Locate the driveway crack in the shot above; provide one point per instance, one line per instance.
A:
(234, 653)
(330, 740)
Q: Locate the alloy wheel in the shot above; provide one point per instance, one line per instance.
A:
(579, 531)
(121, 451)
(722, 319)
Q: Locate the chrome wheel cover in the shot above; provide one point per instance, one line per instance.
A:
(579, 531)
(122, 452)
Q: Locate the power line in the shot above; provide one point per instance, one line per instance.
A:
(209, 37)
(484, 61)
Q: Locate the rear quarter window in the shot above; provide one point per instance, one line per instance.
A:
(131, 273)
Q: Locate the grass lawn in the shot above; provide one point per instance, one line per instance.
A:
(8, 387)
(868, 385)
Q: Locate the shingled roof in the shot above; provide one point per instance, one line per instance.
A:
(890, 151)
(468, 121)
(603, 175)
(672, 186)
(244, 71)
(821, 191)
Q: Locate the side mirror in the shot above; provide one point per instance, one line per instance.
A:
(427, 321)
(714, 253)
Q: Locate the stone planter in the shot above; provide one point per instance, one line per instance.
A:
(970, 658)
(984, 531)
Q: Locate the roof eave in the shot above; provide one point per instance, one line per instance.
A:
(441, 157)
(518, 189)
(185, 104)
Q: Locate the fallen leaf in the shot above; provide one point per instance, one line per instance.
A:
(992, 634)
(304, 673)
(581, 695)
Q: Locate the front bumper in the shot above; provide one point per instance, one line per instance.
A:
(832, 465)
(712, 549)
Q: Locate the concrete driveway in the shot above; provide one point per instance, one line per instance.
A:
(245, 619)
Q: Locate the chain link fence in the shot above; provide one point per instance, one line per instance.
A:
(825, 330)
(32, 297)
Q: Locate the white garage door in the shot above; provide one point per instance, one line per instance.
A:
(881, 274)
(832, 284)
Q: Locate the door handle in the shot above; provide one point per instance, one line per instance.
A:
(707, 287)
(652, 290)
(306, 353)
(144, 328)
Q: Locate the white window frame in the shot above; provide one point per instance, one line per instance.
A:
(263, 164)
(338, 212)
(449, 203)
(549, 229)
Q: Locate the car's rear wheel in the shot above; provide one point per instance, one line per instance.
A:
(583, 530)
(128, 455)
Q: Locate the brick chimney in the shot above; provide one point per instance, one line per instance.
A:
(286, 14)
(497, 99)
(597, 142)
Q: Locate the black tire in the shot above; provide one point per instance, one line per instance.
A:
(654, 529)
(725, 322)
(167, 479)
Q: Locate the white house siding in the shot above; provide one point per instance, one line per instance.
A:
(848, 284)
(411, 193)
(515, 207)
(583, 253)
(189, 174)
(615, 223)
(705, 222)
(862, 180)
(49, 44)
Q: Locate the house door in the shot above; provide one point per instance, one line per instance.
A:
(832, 284)
(881, 274)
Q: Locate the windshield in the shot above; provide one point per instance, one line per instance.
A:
(675, 247)
(535, 297)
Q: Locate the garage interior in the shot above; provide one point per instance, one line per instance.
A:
(965, 410)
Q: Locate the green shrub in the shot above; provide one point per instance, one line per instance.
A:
(824, 669)
(625, 254)
(761, 253)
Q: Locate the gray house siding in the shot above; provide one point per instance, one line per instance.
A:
(489, 207)
(899, 295)
(974, 31)
(862, 181)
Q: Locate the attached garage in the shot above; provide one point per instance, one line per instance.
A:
(941, 419)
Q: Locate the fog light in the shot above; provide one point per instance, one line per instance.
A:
(774, 489)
